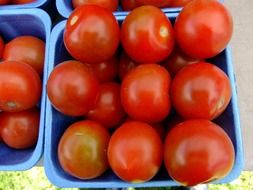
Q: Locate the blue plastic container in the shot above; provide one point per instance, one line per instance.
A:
(15, 23)
(65, 8)
(56, 124)
(36, 4)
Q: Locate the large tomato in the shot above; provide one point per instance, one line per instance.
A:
(198, 151)
(1, 47)
(28, 49)
(125, 65)
(108, 110)
(22, 1)
(111, 5)
(147, 35)
(128, 5)
(179, 3)
(20, 130)
(20, 86)
(72, 88)
(82, 150)
(203, 28)
(200, 90)
(135, 152)
(145, 93)
(92, 34)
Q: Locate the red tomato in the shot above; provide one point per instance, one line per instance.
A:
(125, 65)
(145, 93)
(179, 3)
(28, 49)
(1, 46)
(147, 35)
(82, 150)
(20, 86)
(108, 110)
(20, 130)
(177, 60)
(22, 1)
(199, 148)
(128, 5)
(72, 88)
(4, 2)
(97, 31)
(135, 152)
(157, 3)
(200, 90)
(106, 71)
(111, 5)
(203, 28)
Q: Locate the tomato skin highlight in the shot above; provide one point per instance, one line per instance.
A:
(200, 90)
(96, 43)
(135, 152)
(111, 5)
(82, 150)
(201, 149)
(206, 24)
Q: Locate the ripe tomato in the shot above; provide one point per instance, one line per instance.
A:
(108, 110)
(72, 88)
(199, 148)
(156, 3)
(20, 130)
(1, 46)
(4, 2)
(125, 65)
(177, 60)
(105, 71)
(22, 1)
(82, 150)
(145, 93)
(147, 35)
(200, 90)
(128, 5)
(111, 5)
(97, 31)
(135, 152)
(28, 49)
(205, 23)
(179, 3)
(20, 86)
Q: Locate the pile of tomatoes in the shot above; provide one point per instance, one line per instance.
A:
(21, 69)
(15, 2)
(146, 93)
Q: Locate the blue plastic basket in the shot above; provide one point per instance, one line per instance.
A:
(65, 8)
(36, 4)
(56, 124)
(15, 23)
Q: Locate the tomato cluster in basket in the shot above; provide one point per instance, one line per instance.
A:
(144, 93)
(20, 90)
(15, 2)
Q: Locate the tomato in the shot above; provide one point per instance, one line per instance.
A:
(108, 110)
(200, 90)
(125, 65)
(1, 46)
(128, 5)
(157, 3)
(199, 148)
(20, 130)
(4, 2)
(97, 31)
(28, 49)
(72, 88)
(22, 1)
(179, 3)
(82, 150)
(177, 60)
(111, 5)
(106, 71)
(20, 86)
(145, 93)
(135, 152)
(147, 35)
(203, 28)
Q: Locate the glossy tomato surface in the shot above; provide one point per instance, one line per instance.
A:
(22, 1)
(203, 28)
(145, 93)
(135, 152)
(179, 3)
(200, 90)
(111, 5)
(92, 34)
(72, 88)
(82, 150)
(147, 35)
(125, 65)
(1, 47)
(20, 86)
(199, 148)
(20, 130)
(108, 110)
(28, 49)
